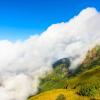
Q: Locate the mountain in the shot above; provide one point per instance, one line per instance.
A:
(84, 84)
(92, 59)
(64, 61)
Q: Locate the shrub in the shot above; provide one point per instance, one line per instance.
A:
(61, 97)
(87, 90)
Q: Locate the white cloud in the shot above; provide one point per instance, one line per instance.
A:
(17, 87)
(22, 62)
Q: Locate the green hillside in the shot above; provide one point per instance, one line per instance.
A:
(59, 94)
(87, 83)
(55, 79)
(84, 84)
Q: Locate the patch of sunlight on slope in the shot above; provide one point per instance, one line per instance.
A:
(52, 95)
(92, 76)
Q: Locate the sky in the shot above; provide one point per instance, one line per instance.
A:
(22, 63)
(58, 29)
(19, 19)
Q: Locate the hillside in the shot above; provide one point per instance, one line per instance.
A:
(55, 79)
(84, 84)
(54, 94)
(89, 81)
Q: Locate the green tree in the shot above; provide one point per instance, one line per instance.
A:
(61, 97)
(87, 90)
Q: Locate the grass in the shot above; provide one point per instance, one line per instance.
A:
(54, 80)
(53, 94)
(82, 85)
(49, 85)
(90, 78)
(74, 84)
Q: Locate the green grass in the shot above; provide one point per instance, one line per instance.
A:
(54, 80)
(89, 80)
(55, 93)
(84, 84)
(49, 85)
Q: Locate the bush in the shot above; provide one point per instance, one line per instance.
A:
(61, 97)
(87, 90)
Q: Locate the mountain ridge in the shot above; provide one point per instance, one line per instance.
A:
(84, 83)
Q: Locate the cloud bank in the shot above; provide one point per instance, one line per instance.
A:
(21, 63)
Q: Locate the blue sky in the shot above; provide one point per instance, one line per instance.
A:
(21, 18)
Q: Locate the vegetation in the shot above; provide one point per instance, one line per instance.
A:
(92, 59)
(83, 85)
(54, 80)
(87, 83)
(87, 90)
(64, 61)
(53, 94)
(61, 97)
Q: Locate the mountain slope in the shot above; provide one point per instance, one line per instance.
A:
(89, 79)
(53, 94)
(86, 80)
(84, 84)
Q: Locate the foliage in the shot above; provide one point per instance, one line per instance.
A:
(87, 90)
(56, 79)
(61, 97)
(64, 61)
(53, 95)
(85, 82)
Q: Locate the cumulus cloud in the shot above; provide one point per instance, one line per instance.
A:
(17, 87)
(21, 63)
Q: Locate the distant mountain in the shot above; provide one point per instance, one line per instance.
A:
(92, 59)
(64, 61)
(55, 79)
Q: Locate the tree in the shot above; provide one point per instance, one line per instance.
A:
(61, 97)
